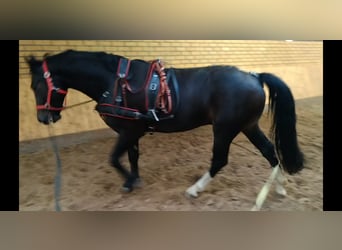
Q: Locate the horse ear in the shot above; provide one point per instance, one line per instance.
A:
(32, 62)
(46, 55)
(28, 59)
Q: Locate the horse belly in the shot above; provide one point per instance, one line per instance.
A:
(183, 121)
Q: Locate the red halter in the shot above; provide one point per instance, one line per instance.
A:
(51, 87)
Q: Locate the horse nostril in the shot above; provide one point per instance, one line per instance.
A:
(44, 121)
(40, 119)
(43, 117)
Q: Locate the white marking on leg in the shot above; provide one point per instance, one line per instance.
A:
(280, 180)
(265, 189)
(200, 185)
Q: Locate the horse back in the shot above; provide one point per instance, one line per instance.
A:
(220, 86)
(214, 93)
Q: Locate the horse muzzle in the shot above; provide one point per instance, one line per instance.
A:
(46, 116)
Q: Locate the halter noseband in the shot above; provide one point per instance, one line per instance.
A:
(51, 87)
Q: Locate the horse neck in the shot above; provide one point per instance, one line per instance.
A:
(90, 81)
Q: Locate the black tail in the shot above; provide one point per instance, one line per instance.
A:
(282, 106)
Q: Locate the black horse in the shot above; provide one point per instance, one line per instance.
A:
(135, 96)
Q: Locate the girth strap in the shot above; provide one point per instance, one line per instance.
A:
(152, 93)
(171, 78)
(123, 67)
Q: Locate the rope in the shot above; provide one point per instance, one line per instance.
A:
(265, 190)
(262, 195)
(58, 171)
(245, 148)
(78, 104)
(58, 174)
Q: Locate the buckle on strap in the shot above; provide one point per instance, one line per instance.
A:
(154, 114)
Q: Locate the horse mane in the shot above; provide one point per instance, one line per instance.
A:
(91, 54)
(107, 59)
(80, 53)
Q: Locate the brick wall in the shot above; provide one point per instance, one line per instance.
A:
(298, 63)
(187, 53)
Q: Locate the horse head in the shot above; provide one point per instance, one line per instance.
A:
(48, 93)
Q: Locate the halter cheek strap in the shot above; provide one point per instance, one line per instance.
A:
(51, 87)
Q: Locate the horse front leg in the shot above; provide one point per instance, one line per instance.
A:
(126, 143)
(133, 157)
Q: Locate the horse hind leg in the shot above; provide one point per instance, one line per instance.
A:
(222, 141)
(261, 142)
(199, 186)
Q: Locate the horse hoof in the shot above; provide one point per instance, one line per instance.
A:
(126, 189)
(191, 193)
(190, 196)
(138, 183)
